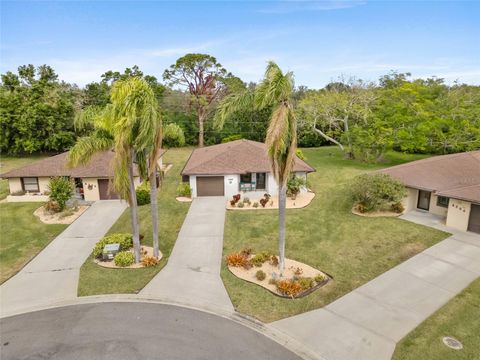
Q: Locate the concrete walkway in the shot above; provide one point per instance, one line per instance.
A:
(192, 275)
(368, 322)
(52, 276)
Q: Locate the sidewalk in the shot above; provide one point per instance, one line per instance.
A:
(52, 276)
(192, 275)
(369, 321)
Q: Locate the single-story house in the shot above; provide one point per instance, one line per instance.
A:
(446, 185)
(234, 167)
(92, 181)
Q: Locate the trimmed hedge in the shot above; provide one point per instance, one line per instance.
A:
(124, 258)
(125, 241)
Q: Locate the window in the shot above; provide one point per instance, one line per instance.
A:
(30, 184)
(442, 201)
(246, 178)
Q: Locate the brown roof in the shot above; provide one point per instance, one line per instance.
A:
(455, 175)
(235, 157)
(99, 166)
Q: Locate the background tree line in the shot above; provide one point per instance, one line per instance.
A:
(37, 110)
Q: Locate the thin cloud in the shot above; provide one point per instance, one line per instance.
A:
(285, 7)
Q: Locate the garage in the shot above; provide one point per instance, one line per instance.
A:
(103, 190)
(474, 220)
(210, 186)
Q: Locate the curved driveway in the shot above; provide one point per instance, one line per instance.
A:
(132, 331)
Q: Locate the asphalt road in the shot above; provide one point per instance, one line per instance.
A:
(132, 331)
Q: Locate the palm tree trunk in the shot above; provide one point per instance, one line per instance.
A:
(282, 204)
(154, 210)
(133, 210)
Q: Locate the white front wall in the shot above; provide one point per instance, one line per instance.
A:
(435, 209)
(232, 185)
(458, 214)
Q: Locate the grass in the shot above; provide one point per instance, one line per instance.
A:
(171, 213)
(459, 318)
(23, 236)
(325, 235)
(8, 163)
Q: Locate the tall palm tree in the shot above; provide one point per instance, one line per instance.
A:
(136, 114)
(130, 125)
(274, 92)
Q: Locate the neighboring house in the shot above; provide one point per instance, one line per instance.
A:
(234, 167)
(92, 181)
(446, 185)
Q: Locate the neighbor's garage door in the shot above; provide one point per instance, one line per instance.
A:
(474, 221)
(103, 190)
(210, 186)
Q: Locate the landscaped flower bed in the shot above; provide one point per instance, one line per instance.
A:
(297, 280)
(125, 258)
(238, 202)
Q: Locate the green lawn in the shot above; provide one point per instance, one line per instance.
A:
(97, 280)
(325, 235)
(8, 163)
(460, 318)
(23, 236)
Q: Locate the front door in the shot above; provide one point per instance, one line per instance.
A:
(260, 181)
(474, 220)
(424, 200)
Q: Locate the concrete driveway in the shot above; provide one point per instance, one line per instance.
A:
(52, 276)
(368, 322)
(192, 275)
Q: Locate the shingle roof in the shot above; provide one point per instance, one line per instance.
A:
(235, 157)
(455, 175)
(99, 166)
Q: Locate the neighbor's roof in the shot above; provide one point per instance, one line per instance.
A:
(235, 157)
(101, 165)
(456, 175)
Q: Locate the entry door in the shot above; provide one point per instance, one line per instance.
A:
(474, 220)
(103, 190)
(424, 200)
(260, 181)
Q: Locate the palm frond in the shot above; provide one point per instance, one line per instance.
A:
(231, 104)
(87, 146)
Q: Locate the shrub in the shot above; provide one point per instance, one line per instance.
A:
(125, 241)
(51, 206)
(297, 271)
(294, 185)
(260, 275)
(289, 287)
(61, 189)
(300, 154)
(273, 281)
(143, 194)
(376, 191)
(240, 205)
(148, 261)
(273, 260)
(260, 258)
(246, 251)
(306, 282)
(238, 260)
(320, 278)
(255, 205)
(124, 258)
(173, 136)
(397, 207)
(184, 190)
(231, 138)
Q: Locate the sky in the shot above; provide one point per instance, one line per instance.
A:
(319, 41)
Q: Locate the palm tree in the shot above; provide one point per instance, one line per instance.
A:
(130, 125)
(136, 114)
(275, 92)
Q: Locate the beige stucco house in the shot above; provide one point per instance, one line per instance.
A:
(446, 185)
(240, 166)
(92, 181)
